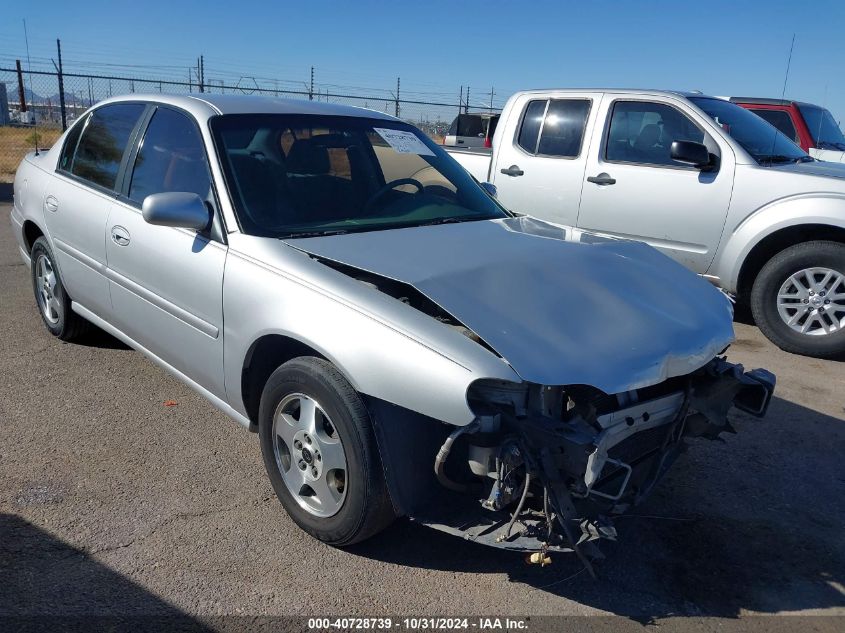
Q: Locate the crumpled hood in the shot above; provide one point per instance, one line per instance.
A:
(616, 315)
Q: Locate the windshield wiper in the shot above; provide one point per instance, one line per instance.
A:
(313, 234)
(448, 221)
(780, 158)
(831, 145)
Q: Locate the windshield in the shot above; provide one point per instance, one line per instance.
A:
(823, 128)
(765, 143)
(305, 175)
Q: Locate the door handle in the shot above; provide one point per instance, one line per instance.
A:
(513, 170)
(119, 235)
(51, 204)
(602, 179)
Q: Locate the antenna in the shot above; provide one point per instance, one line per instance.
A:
(31, 93)
(783, 92)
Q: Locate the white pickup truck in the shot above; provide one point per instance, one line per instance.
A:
(703, 180)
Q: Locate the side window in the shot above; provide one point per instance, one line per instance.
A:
(66, 159)
(532, 120)
(643, 132)
(103, 142)
(563, 127)
(781, 120)
(171, 158)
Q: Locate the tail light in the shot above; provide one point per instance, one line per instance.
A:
(488, 142)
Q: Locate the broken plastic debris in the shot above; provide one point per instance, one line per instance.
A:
(170, 403)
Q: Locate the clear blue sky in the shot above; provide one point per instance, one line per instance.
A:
(738, 48)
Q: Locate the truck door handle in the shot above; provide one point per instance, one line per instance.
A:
(602, 179)
(513, 170)
(51, 204)
(119, 235)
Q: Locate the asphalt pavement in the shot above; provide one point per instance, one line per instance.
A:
(114, 504)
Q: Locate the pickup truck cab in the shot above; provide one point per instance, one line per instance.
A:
(701, 179)
(810, 126)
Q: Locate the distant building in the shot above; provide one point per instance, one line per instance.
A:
(4, 105)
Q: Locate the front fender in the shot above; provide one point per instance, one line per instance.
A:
(379, 359)
(793, 211)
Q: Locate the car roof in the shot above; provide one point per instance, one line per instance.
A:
(631, 91)
(206, 105)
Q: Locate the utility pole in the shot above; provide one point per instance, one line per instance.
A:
(201, 70)
(190, 81)
(466, 105)
(61, 85)
(397, 97)
(491, 99)
(460, 100)
(311, 89)
(21, 92)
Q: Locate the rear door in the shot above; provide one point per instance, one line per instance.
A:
(634, 189)
(539, 168)
(166, 283)
(78, 198)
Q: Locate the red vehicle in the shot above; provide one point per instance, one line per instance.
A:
(810, 126)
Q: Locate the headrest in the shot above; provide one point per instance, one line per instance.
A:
(308, 156)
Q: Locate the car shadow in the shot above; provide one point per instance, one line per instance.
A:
(49, 585)
(752, 523)
(95, 337)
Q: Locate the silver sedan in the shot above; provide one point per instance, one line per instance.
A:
(403, 345)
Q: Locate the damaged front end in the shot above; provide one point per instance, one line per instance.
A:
(551, 466)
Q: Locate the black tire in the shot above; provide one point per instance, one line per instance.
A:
(67, 324)
(764, 294)
(366, 508)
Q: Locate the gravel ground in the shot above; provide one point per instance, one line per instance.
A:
(113, 504)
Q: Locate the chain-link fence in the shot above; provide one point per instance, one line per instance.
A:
(38, 105)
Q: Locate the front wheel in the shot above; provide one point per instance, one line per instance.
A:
(320, 453)
(798, 299)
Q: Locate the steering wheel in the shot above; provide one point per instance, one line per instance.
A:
(388, 187)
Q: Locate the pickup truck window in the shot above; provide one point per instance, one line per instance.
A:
(554, 128)
(642, 132)
(532, 121)
(171, 158)
(104, 139)
(305, 175)
(781, 120)
(823, 128)
(766, 144)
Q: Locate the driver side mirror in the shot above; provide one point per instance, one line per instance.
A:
(691, 153)
(490, 188)
(176, 208)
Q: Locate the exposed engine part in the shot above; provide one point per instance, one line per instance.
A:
(507, 533)
(443, 455)
(563, 460)
(510, 469)
(540, 558)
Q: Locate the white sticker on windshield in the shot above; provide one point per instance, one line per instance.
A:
(404, 142)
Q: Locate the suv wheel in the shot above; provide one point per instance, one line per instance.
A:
(50, 296)
(798, 299)
(320, 453)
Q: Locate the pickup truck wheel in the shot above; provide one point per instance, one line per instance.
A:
(798, 299)
(50, 296)
(320, 453)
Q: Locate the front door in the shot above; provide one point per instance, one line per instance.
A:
(167, 283)
(633, 188)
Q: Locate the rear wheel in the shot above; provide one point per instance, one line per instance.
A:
(798, 299)
(50, 295)
(320, 453)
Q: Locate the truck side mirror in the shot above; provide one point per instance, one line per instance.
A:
(691, 153)
(490, 188)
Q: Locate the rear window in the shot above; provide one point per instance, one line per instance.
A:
(554, 127)
(104, 139)
(781, 120)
